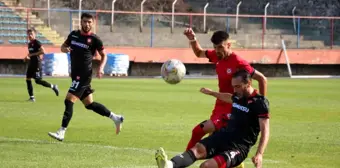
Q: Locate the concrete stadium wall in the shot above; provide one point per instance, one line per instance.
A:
(153, 69)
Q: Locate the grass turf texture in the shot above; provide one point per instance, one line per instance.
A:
(305, 122)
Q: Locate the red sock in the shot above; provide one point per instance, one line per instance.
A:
(197, 134)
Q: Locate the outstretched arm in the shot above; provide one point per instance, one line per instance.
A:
(226, 97)
(262, 80)
(264, 128)
(196, 47)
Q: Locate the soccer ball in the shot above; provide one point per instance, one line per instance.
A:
(173, 71)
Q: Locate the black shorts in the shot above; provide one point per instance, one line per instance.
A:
(81, 86)
(225, 152)
(34, 71)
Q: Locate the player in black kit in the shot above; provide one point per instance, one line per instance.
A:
(34, 70)
(230, 146)
(82, 45)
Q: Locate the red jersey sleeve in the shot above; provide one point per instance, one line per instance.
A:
(211, 55)
(243, 64)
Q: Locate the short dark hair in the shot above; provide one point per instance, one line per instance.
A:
(245, 75)
(86, 15)
(30, 31)
(219, 36)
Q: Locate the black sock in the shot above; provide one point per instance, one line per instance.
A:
(43, 83)
(99, 108)
(184, 160)
(29, 87)
(68, 113)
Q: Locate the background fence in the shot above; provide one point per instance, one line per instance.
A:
(164, 29)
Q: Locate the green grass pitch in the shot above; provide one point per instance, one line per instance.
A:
(305, 123)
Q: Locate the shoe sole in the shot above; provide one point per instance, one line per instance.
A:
(161, 158)
(55, 137)
(119, 126)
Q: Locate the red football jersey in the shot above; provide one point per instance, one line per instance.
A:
(225, 69)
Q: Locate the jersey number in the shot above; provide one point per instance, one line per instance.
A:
(233, 154)
(74, 85)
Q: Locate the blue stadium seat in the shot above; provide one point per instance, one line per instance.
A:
(9, 16)
(1, 41)
(5, 10)
(17, 41)
(25, 42)
(14, 28)
(13, 22)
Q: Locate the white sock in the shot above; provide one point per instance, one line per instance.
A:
(63, 129)
(114, 117)
(32, 97)
(52, 86)
(169, 163)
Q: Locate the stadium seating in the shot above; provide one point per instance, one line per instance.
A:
(126, 29)
(13, 26)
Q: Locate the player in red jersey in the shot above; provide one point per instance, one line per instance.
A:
(227, 62)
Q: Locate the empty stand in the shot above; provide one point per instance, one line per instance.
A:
(14, 23)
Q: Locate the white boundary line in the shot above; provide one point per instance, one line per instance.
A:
(148, 151)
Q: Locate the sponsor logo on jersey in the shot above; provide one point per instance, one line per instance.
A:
(239, 107)
(79, 44)
(228, 70)
(89, 40)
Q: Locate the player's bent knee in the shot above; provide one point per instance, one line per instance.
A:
(71, 97)
(87, 100)
(199, 151)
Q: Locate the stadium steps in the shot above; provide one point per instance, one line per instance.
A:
(9, 2)
(38, 24)
(50, 34)
(46, 31)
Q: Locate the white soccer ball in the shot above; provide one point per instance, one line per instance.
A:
(173, 71)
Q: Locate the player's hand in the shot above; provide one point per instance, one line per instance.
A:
(257, 160)
(26, 58)
(206, 91)
(100, 73)
(189, 33)
(66, 49)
